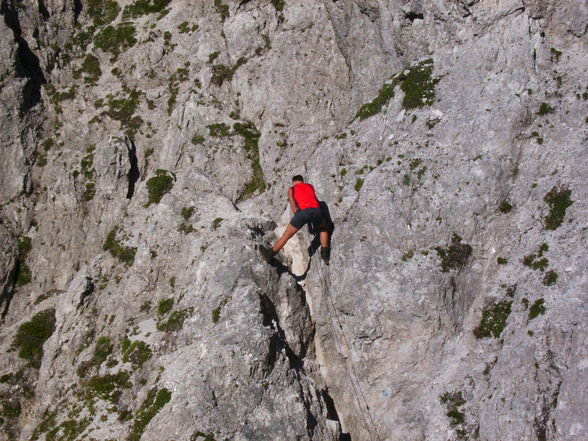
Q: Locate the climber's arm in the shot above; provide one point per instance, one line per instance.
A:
(291, 199)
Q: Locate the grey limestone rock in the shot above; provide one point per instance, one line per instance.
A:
(147, 147)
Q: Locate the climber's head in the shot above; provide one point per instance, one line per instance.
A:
(297, 179)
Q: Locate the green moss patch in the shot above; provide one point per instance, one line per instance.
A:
(455, 255)
(70, 429)
(418, 85)
(23, 272)
(87, 171)
(101, 352)
(109, 387)
(544, 109)
(278, 5)
(550, 278)
(89, 192)
(144, 7)
(222, 9)
(122, 107)
(56, 97)
(137, 352)
(216, 312)
(493, 320)
(116, 40)
(91, 67)
(250, 135)
(117, 249)
(555, 54)
(173, 86)
(159, 185)
(187, 212)
(185, 228)
(216, 223)
(558, 200)
(186, 27)
(374, 107)
(358, 184)
(222, 73)
(538, 138)
(536, 260)
(31, 336)
(10, 408)
(102, 12)
(175, 321)
(453, 401)
(197, 139)
(24, 275)
(49, 143)
(505, 207)
(219, 130)
(536, 309)
(165, 306)
(155, 401)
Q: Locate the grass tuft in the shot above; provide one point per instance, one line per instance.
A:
(536, 309)
(155, 401)
(419, 85)
(117, 249)
(116, 40)
(159, 185)
(493, 320)
(31, 337)
(559, 201)
(374, 107)
(455, 255)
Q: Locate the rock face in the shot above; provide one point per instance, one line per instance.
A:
(146, 151)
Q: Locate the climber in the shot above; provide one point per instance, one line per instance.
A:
(306, 210)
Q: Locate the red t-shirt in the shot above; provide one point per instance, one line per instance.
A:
(304, 196)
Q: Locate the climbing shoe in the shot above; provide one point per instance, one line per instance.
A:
(268, 254)
(326, 254)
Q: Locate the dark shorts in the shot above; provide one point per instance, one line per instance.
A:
(314, 216)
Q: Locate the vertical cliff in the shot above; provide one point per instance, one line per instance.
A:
(146, 149)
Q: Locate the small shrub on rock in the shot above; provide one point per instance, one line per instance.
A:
(493, 320)
(117, 249)
(558, 200)
(455, 255)
(159, 185)
(31, 337)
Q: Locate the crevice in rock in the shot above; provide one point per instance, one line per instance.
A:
(412, 16)
(27, 63)
(332, 412)
(242, 3)
(133, 175)
(371, 12)
(278, 341)
(88, 290)
(77, 9)
(11, 278)
(330, 403)
(270, 318)
(8, 292)
(43, 10)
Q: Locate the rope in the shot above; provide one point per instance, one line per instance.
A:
(355, 385)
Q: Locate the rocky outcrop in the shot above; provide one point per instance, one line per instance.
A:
(147, 147)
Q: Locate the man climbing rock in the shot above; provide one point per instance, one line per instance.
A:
(306, 210)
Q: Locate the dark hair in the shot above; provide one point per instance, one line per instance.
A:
(298, 178)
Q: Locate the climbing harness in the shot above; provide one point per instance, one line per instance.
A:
(355, 385)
